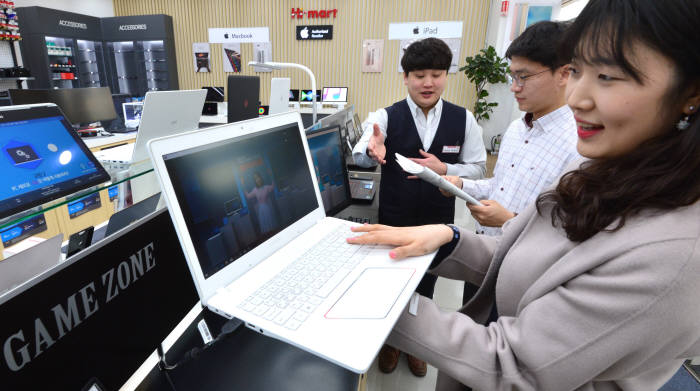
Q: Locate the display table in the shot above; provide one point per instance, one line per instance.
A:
(102, 142)
(246, 360)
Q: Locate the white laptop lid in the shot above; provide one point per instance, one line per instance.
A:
(225, 161)
(29, 263)
(166, 113)
(279, 95)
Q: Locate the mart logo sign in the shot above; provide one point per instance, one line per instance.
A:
(313, 14)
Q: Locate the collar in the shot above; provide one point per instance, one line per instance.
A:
(548, 122)
(415, 109)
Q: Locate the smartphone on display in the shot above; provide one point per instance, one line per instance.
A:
(79, 241)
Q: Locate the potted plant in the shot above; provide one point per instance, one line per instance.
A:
(485, 67)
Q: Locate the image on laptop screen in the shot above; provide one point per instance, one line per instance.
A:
(44, 158)
(331, 172)
(237, 193)
(335, 94)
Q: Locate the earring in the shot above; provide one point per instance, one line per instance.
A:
(684, 123)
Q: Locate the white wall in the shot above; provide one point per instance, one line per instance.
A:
(99, 8)
(571, 10)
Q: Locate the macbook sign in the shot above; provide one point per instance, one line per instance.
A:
(305, 33)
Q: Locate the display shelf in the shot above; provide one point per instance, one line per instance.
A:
(117, 176)
(22, 78)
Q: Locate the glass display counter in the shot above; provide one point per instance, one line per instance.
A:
(91, 207)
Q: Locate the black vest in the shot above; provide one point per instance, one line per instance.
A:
(406, 202)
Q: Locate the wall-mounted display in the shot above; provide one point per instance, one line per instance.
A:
(372, 55)
(232, 57)
(262, 52)
(201, 54)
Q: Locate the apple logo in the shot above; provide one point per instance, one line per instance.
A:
(245, 103)
(304, 33)
(226, 36)
(416, 30)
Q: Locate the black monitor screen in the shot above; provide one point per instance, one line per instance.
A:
(84, 105)
(236, 194)
(214, 94)
(327, 154)
(306, 96)
(294, 95)
(27, 97)
(44, 159)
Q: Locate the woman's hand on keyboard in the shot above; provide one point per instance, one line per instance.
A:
(410, 241)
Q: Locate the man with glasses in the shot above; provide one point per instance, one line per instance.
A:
(536, 148)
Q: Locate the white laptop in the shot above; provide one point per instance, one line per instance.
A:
(22, 267)
(246, 205)
(164, 113)
(279, 95)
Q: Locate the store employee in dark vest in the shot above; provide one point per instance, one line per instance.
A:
(432, 132)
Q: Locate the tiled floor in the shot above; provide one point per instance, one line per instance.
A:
(448, 294)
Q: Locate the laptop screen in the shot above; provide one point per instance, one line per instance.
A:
(44, 159)
(335, 94)
(327, 154)
(307, 96)
(237, 193)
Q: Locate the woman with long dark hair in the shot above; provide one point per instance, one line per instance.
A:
(595, 287)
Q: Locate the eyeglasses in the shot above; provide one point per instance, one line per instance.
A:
(520, 79)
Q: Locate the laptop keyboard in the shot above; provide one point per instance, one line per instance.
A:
(289, 297)
(361, 220)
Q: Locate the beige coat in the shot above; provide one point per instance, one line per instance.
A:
(617, 312)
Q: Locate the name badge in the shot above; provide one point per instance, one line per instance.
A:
(451, 149)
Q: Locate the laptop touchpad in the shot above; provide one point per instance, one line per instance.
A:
(373, 294)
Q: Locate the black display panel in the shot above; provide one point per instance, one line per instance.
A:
(44, 159)
(236, 194)
(98, 315)
(84, 105)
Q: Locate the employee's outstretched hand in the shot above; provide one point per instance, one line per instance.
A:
(490, 213)
(410, 241)
(376, 148)
(455, 180)
(431, 161)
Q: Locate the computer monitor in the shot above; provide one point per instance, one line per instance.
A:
(307, 119)
(44, 158)
(214, 94)
(243, 97)
(84, 105)
(28, 97)
(132, 114)
(326, 149)
(306, 96)
(294, 95)
(335, 94)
